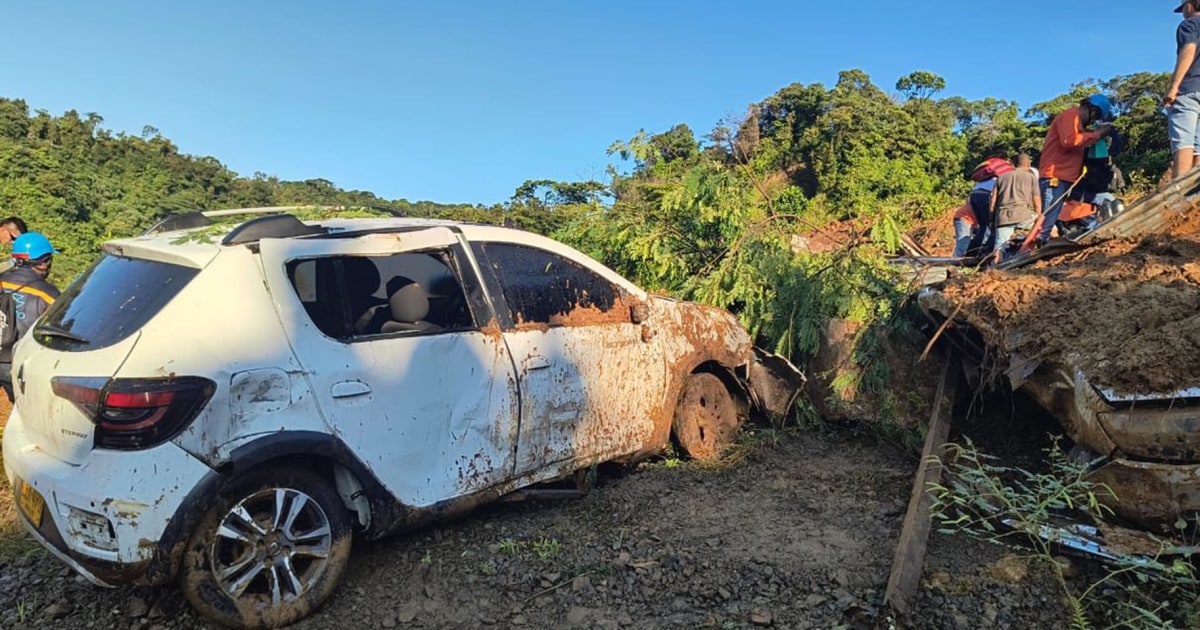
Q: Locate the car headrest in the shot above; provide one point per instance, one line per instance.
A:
(397, 283)
(409, 304)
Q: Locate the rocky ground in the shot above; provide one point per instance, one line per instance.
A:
(796, 530)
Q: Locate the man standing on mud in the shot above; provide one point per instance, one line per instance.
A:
(1016, 203)
(1183, 97)
(1063, 151)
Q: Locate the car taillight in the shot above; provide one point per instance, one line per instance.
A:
(136, 413)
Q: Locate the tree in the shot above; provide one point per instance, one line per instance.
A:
(921, 84)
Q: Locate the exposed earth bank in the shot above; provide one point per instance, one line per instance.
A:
(1127, 312)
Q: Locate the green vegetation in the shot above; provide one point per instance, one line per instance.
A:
(546, 548)
(81, 184)
(717, 218)
(1011, 506)
(511, 547)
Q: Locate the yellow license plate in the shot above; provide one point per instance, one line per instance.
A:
(31, 503)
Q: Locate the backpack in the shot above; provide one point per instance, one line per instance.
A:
(991, 167)
(8, 323)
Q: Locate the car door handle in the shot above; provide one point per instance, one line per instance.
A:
(350, 389)
(536, 362)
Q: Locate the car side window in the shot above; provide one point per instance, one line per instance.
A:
(545, 289)
(353, 297)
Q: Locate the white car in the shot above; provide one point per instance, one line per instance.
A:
(228, 407)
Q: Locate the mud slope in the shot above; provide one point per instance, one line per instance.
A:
(1127, 312)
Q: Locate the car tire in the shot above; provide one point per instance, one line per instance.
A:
(255, 559)
(706, 418)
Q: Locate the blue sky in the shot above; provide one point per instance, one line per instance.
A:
(461, 101)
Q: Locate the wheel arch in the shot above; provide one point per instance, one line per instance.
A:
(741, 395)
(359, 488)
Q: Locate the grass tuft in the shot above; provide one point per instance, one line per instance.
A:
(14, 541)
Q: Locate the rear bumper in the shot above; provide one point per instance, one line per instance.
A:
(117, 518)
(97, 572)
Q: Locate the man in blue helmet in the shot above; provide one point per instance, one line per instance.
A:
(1183, 95)
(24, 295)
(1063, 153)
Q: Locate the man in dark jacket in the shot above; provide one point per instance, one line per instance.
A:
(32, 295)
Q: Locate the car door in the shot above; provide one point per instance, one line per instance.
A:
(591, 383)
(432, 409)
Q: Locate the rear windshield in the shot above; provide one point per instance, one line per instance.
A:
(109, 302)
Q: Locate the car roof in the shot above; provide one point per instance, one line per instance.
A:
(197, 246)
(194, 238)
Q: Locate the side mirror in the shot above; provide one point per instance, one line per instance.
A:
(639, 312)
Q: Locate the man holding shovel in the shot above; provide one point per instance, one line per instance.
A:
(1063, 153)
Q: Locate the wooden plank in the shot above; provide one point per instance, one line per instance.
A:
(909, 561)
(911, 247)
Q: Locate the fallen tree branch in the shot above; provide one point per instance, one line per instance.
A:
(936, 335)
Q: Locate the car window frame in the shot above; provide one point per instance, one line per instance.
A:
(68, 296)
(506, 316)
(477, 304)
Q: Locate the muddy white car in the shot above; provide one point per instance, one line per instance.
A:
(229, 407)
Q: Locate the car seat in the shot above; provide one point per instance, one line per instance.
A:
(362, 279)
(409, 306)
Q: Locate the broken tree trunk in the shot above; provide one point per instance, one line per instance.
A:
(910, 551)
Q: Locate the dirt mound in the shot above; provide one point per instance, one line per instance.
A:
(1127, 312)
(833, 236)
(935, 235)
(835, 386)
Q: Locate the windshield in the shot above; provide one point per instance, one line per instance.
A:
(109, 302)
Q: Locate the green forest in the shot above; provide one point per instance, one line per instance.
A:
(711, 215)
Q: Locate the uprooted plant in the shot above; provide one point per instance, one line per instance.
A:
(1035, 511)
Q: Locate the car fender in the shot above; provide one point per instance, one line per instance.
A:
(306, 448)
(697, 335)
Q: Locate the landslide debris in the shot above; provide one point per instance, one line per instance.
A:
(1126, 312)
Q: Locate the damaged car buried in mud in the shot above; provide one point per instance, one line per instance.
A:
(227, 406)
(1143, 447)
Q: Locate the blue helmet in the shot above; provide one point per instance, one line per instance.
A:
(32, 246)
(1101, 102)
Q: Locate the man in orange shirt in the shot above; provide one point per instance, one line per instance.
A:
(1063, 152)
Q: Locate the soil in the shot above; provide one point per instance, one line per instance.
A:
(833, 236)
(935, 235)
(1126, 312)
(793, 531)
(905, 398)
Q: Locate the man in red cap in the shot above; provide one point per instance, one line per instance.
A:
(1183, 96)
(980, 201)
